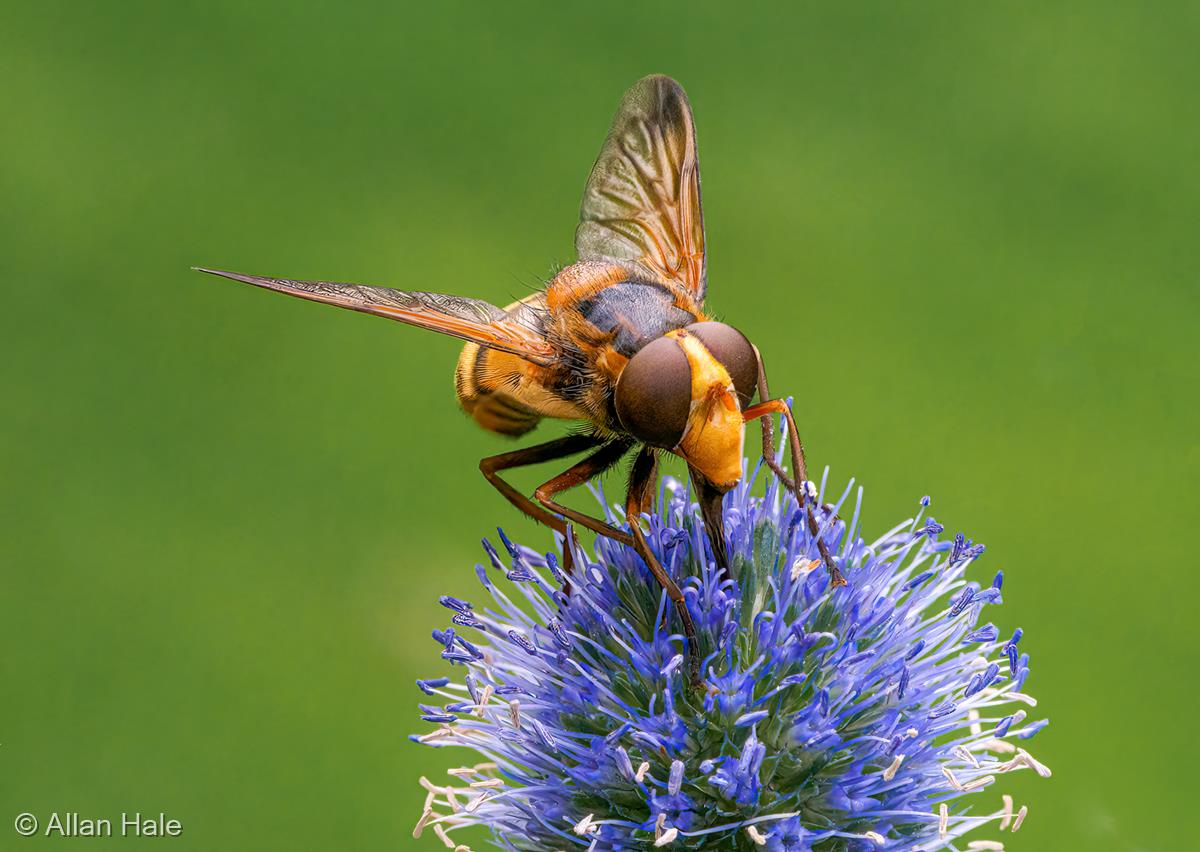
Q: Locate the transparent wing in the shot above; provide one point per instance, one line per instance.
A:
(642, 201)
(469, 319)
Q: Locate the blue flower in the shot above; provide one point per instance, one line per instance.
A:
(868, 716)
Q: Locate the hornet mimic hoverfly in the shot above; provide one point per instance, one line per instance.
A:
(618, 340)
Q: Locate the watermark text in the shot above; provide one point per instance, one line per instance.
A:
(75, 824)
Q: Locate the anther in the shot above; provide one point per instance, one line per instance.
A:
(966, 756)
(976, 783)
(1040, 768)
(484, 698)
(430, 786)
(439, 734)
(1006, 814)
(585, 826)
(803, 566)
(421, 823)
(1021, 814)
(668, 837)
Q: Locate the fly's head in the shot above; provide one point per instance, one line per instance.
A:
(685, 392)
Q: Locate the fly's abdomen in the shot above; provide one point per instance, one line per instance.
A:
(477, 383)
(505, 393)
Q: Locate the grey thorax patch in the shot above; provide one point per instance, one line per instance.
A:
(637, 312)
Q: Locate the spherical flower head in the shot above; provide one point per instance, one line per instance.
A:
(854, 718)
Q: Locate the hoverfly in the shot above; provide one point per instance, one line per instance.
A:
(619, 340)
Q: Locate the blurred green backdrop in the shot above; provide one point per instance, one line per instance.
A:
(226, 516)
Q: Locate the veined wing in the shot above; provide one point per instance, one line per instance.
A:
(642, 201)
(469, 319)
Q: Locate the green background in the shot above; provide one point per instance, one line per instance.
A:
(964, 236)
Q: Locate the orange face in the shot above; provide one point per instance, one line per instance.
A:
(712, 440)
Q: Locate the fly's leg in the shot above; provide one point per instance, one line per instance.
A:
(641, 483)
(491, 466)
(591, 467)
(778, 406)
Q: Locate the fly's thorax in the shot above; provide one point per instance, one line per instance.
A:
(629, 314)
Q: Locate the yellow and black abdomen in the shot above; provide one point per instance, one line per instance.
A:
(479, 381)
(503, 392)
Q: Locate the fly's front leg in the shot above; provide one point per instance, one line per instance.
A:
(798, 485)
(768, 435)
(768, 431)
(591, 467)
(641, 485)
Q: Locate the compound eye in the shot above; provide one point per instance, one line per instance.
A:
(654, 393)
(733, 350)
